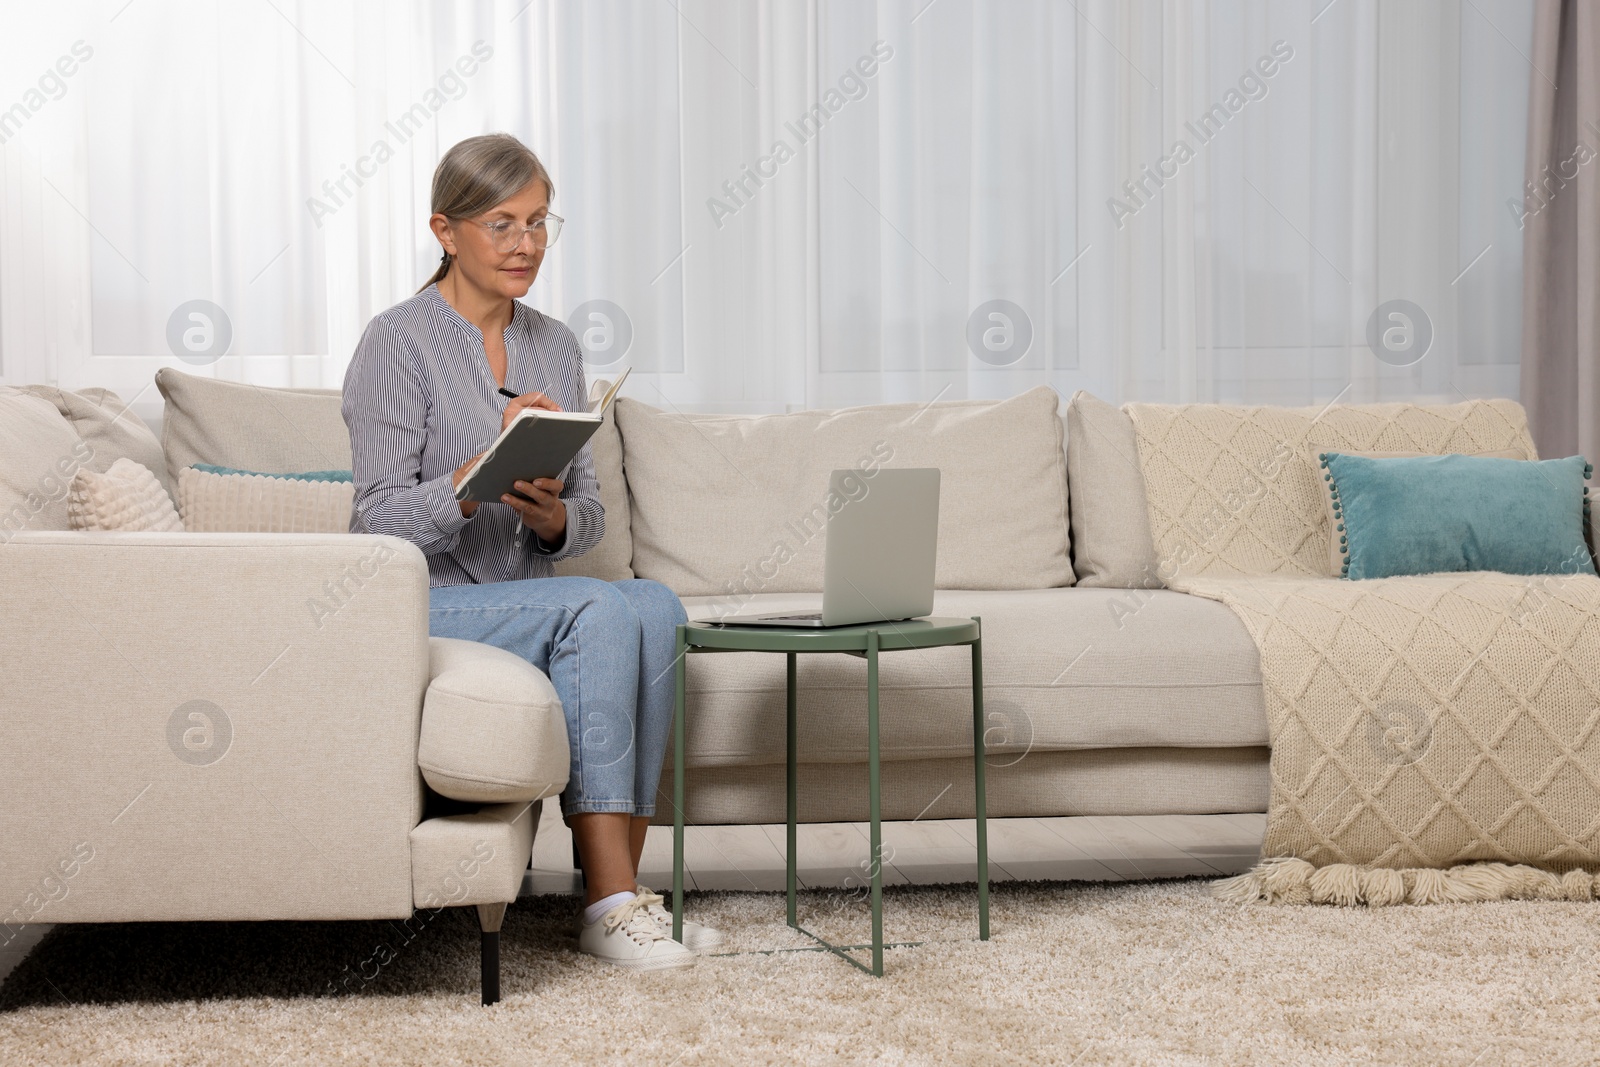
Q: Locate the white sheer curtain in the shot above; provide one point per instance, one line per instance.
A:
(789, 203)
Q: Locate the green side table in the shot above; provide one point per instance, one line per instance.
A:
(866, 642)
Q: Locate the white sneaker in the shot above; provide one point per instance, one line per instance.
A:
(696, 938)
(630, 937)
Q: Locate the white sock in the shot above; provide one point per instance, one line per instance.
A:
(597, 911)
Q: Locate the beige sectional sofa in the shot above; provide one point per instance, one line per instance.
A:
(364, 772)
(186, 738)
(1102, 696)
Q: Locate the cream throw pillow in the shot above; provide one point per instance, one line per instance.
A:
(128, 496)
(261, 503)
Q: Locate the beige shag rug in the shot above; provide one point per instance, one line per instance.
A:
(1151, 973)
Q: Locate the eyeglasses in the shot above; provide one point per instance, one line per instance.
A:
(506, 236)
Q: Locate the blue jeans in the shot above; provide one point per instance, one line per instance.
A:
(608, 649)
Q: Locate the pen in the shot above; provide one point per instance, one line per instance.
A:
(506, 392)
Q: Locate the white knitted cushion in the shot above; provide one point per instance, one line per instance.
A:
(128, 496)
(261, 503)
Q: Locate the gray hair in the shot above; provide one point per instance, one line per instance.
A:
(478, 173)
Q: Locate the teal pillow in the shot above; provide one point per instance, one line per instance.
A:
(307, 476)
(1429, 514)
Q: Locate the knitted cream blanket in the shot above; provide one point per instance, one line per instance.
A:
(1419, 726)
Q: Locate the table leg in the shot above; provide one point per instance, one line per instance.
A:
(793, 736)
(978, 778)
(677, 783)
(874, 787)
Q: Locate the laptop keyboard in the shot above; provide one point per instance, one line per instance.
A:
(786, 618)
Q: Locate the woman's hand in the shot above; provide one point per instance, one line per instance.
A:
(521, 403)
(541, 508)
(467, 506)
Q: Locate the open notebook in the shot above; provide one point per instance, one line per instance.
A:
(537, 444)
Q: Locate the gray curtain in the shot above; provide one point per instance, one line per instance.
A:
(1561, 232)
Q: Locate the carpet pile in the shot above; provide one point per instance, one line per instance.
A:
(1150, 973)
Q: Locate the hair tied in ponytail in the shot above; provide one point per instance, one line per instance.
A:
(478, 173)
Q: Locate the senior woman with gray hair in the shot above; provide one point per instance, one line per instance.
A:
(426, 392)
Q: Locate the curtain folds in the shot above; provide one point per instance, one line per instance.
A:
(1561, 250)
(777, 204)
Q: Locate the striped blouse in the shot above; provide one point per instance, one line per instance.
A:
(419, 400)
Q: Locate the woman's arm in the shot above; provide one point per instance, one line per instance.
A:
(386, 410)
(565, 522)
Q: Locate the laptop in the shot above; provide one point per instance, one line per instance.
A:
(879, 559)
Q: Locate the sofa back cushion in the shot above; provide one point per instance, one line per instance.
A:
(251, 427)
(39, 454)
(1111, 543)
(1233, 489)
(732, 505)
(611, 559)
(109, 428)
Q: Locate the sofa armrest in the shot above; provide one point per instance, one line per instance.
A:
(228, 720)
(492, 726)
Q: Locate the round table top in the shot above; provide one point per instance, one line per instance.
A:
(929, 632)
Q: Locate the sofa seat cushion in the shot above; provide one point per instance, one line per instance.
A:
(492, 726)
(1063, 669)
(1095, 781)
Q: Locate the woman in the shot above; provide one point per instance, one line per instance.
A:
(426, 392)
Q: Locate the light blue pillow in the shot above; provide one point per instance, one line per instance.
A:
(307, 476)
(1429, 514)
